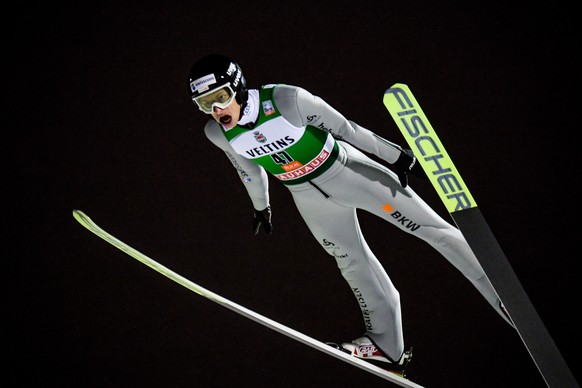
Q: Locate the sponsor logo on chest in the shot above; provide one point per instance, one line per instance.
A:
(271, 137)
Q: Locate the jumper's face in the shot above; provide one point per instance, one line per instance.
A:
(228, 116)
(221, 104)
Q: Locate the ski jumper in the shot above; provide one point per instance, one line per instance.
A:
(315, 151)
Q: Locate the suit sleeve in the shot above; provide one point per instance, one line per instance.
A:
(300, 108)
(253, 176)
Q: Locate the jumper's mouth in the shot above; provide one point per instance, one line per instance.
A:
(225, 119)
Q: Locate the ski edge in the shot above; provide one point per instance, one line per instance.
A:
(88, 223)
(423, 140)
(454, 193)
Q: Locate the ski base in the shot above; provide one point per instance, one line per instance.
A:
(84, 220)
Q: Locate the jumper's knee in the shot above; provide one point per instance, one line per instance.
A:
(452, 245)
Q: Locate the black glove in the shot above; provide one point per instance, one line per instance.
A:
(408, 164)
(262, 217)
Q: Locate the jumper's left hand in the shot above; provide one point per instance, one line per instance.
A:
(408, 164)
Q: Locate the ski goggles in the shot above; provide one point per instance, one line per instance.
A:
(221, 97)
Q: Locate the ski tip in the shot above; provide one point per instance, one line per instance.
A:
(397, 85)
(79, 215)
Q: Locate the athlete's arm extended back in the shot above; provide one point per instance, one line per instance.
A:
(300, 108)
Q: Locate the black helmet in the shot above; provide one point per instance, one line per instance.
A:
(213, 72)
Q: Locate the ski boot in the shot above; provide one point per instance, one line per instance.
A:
(365, 349)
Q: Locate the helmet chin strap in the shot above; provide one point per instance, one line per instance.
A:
(242, 104)
(249, 111)
(242, 110)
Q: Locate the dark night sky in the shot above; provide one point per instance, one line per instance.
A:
(99, 120)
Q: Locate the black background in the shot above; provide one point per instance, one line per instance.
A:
(99, 120)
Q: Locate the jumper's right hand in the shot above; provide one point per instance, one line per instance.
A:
(262, 217)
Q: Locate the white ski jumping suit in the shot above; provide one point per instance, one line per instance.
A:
(314, 150)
